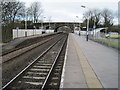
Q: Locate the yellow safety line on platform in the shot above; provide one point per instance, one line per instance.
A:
(90, 76)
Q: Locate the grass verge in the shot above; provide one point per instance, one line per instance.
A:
(114, 43)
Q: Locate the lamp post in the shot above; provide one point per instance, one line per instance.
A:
(25, 23)
(26, 19)
(87, 25)
(49, 25)
(79, 25)
(94, 31)
(87, 29)
(74, 26)
(49, 19)
(42, 23)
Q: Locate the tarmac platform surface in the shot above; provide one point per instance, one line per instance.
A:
(89, 64)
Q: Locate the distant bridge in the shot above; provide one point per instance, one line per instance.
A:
(56, 25)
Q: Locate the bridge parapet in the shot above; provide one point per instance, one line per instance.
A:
(56, 25)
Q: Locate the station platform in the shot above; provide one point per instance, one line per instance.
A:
(12, 44)
(89, 64)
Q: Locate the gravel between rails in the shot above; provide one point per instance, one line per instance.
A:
(55, 78)
(13, 67)
(28, 80)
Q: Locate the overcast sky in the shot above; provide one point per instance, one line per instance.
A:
(67, 10)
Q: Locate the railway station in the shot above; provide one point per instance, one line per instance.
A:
(86, 64)
(55, 45)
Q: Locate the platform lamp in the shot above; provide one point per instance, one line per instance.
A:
(79, 25)
(87, 24)
(74, 26)
(43, 22)
(25, 23)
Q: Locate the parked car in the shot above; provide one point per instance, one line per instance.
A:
(112, 35)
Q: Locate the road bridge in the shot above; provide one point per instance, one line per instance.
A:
(56, 25)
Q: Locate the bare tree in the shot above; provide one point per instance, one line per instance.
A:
(107, 17)
(29, 14)
(11, 10)
(97, 17)
(89, 15)
(11, 13)
(35, 11)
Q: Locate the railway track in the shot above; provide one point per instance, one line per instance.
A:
(19, 51)
(27, 43)
(13, 66)
(44, 72)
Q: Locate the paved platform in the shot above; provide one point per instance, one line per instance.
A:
(89, 65)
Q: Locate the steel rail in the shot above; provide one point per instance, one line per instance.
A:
(13, 50)
(19, 74)
(52, 68)
(43, 42)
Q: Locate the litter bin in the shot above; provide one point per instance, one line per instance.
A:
(43, 32)
(25, 34)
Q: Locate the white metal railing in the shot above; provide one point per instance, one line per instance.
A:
(29, 32)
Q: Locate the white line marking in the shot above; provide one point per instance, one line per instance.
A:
(63, 71)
